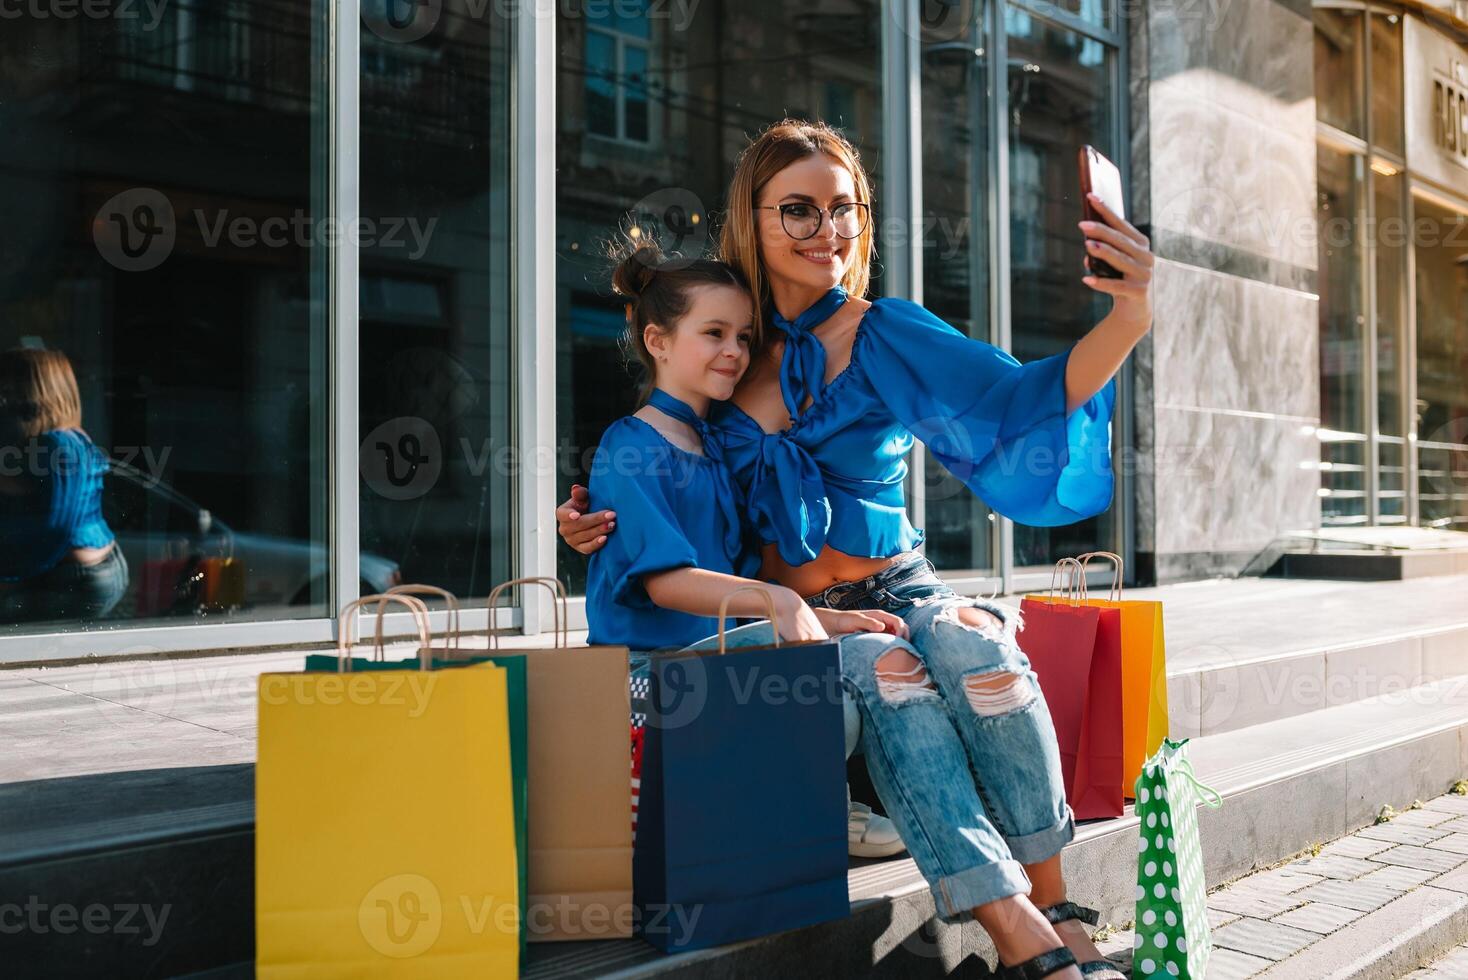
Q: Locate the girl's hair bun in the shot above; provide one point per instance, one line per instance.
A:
(636, 269)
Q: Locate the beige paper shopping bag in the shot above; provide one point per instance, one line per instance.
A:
(580, 795)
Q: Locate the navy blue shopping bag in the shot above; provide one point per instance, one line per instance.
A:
(741, 825)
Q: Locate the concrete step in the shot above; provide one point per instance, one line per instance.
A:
(1367, 565)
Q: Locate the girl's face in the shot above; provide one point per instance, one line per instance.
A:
(820, 261)
(707, 353)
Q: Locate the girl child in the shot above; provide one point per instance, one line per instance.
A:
(684, 545)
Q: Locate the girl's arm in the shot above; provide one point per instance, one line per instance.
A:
(1098, 355)
(699, 592)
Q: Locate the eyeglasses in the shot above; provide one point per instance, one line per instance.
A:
(801, 221)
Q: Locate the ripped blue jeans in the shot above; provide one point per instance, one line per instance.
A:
(961, 748)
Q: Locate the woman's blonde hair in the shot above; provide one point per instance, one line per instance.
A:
(774, 149)
(38, 393)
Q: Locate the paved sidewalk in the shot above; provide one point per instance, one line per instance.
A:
(1362, 900)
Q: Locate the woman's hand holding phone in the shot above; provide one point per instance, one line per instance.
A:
(1128, 251)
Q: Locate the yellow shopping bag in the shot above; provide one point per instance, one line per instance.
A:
(384, 827)
(1143, 667)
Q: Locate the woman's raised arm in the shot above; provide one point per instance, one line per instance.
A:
(1099, 354)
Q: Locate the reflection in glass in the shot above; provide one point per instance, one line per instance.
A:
(1442, 359)
(436, 364)
(1058, 84)
(164, 182)
(1339, 74)
(955, 239)
(713, 76)
(1342, 330)
(1386, 82)
(1391, 237)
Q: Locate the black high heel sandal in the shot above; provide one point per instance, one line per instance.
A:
(1095, 969)
(1038, 967)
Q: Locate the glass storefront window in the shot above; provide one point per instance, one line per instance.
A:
(1386, 82)
(437, 371)
(1441, 244)
(1058, 100)
(956, 256)
(1390, 235)
(1342, 332)
(715, 79)
(167, 279)
(1339, 72)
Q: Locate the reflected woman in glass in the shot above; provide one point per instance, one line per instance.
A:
(60, 560)
(817, 434)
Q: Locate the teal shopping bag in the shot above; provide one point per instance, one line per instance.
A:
(1172, 935)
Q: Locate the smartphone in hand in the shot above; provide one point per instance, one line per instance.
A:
(1100, 176)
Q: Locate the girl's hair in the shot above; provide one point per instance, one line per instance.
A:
(38, 393)
(656, 291)
(774, 149)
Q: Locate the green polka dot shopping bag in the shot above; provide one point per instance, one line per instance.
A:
(1172, 937)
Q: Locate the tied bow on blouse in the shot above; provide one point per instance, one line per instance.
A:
(803, 366)
(714, 450)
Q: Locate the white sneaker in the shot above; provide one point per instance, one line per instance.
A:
(870, 835)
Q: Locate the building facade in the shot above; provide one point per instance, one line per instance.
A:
(332, 275)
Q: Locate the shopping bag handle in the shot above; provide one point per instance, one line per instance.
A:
(451, 602)
(1183, 765)
(1116, 575)
(560, 614)
(344, 629)
(1210, 796)
(1065, 563)
(769, 606)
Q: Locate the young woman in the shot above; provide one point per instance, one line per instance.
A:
(60, 560)
(817, 434)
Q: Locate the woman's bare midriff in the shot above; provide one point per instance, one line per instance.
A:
(829, 568)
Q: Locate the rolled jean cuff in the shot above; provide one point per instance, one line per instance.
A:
(956, 896)
(1044, 844)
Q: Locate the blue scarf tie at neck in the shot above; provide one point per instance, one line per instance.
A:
(803, 366)
(676, 408)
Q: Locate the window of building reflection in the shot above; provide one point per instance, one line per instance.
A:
(1441, 241)
(1342, 332)
(163, 292)
(437, 375)
(1386, 82)
(698, 83)
(1059, 84)
(1339, 72)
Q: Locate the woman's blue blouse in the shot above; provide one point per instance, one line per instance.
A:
(675, 509)
(63, 512)
(836, 475)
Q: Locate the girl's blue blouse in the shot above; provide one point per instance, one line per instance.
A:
(674, 510)
(836, 475)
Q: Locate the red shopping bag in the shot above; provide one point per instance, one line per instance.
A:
(1075, 651)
